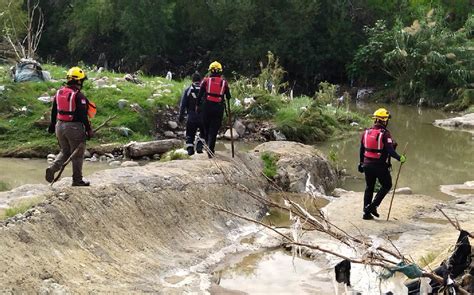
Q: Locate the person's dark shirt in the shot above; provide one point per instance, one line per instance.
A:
(388, 148)
(80, 114)
(188, 102)
(203, 91)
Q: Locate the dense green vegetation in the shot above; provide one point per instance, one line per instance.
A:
(316, 40)
(24, 119)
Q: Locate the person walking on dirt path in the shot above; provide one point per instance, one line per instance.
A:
(211, 99)
(376, 148)
(188, 106)
(70, 123)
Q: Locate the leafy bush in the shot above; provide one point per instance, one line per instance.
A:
(269, 164)
(425, 60)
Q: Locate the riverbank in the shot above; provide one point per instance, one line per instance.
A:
(146, 108)
(146, 229)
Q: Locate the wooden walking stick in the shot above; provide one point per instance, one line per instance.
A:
(76, 150)
(396, 182)
(229, 115)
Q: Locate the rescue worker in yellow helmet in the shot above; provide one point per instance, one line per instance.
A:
(376, 148)
(211, 100)
(70, 123)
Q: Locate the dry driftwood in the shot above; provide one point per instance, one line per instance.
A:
(149, 148)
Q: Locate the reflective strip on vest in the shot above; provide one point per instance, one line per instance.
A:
(66, 104)
(373, 143)
(211, 83)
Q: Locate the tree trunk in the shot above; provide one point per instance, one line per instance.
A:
(149, 148)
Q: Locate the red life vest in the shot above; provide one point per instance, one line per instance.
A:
(215, 88)
(373, 143)
(66, 102)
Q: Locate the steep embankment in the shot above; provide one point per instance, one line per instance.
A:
(124, 233)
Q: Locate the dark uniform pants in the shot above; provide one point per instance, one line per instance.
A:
(194, 123)
(212, 115)
(372, 173)
(71, 135)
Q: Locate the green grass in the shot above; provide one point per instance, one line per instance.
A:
(22, 131)
(269, 164)
(173, 155)
(20, 207)
(4, 186)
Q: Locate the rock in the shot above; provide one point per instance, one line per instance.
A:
(2, 88)
(354, 124)
(234, 133)
(363, 93)
(51, 156)
(146, 158)
(149, 148)
(251, 126)
(100, 70)
(115, 163)
(240, 128)
(44, 99)
(297, 163)
(150, 101)
(103, 158)
(464, 122)
(173, 125)
(122, 103)
(129, 164)
(100, 83)
(169, 134)
(278, 135)
(156, 157)
(136, 107)
(87, 154)
(403, 191)
(338, 192)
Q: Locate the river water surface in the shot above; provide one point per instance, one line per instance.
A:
(435, 156)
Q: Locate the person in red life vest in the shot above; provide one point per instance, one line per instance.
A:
(211, 100)
(70, 123)
(188, 106)
(376, 148)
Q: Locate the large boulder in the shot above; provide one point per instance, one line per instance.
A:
(301, 168)
(463, 122)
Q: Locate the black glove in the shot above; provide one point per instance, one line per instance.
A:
(51, 128)
(360, 168)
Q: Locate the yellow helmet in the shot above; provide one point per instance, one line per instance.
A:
(381, 114)
(215, 67)
(76, 73)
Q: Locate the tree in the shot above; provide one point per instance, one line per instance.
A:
(16, 24)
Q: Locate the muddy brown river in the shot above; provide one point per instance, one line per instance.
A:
(435, 156)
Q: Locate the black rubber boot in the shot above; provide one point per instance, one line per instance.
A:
(367, 216)
(49, 176)
(374, 212)
(190, 151)
(81, 183)
(199, 147)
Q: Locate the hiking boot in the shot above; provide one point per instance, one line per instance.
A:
(374, 212)
(81, 183)
(190, 151)
(49, 175)
(367, 216)
(199, 147)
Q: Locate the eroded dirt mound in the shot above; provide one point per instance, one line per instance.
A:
(124, 234)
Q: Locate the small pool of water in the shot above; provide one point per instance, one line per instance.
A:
(262, 273)
(15, 172)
